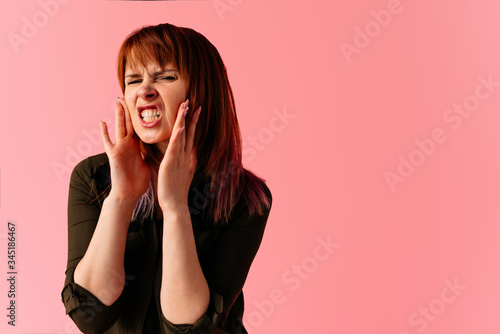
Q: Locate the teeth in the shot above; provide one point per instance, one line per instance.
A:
(150, 115)
(150, 119)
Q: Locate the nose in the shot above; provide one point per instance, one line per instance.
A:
(146, 91)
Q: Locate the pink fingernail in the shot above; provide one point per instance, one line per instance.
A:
(181, 131)
(185, 112)
(186, 104)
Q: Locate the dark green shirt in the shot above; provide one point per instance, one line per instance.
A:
(225, 253)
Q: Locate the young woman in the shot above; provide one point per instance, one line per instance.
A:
(164, 225)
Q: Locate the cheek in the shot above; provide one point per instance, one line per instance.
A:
(128, 94)
(129, 103)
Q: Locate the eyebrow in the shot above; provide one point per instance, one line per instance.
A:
(137, 75)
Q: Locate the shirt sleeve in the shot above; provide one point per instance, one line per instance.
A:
(88, 312)
(231, 258)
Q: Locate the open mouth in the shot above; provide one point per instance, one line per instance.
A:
(150, 115)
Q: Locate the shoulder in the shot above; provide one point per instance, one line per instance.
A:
(256, 186)
(91, 174)
(254, 204)
(91, 166)
(268, 193)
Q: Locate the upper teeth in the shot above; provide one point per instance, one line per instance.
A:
(150, 113)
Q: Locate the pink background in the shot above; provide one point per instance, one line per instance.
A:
(351, 119)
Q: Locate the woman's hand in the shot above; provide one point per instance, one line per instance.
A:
(130, 175)
(179, 162)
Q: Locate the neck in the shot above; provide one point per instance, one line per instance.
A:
(161, 148)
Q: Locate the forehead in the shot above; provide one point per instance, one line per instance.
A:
(150, 68)
(149, 58)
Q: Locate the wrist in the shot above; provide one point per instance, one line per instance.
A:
(175, 209)
(122, 202)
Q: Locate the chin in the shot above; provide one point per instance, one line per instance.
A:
(152, 141)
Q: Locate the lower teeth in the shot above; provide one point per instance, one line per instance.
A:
(150, 119)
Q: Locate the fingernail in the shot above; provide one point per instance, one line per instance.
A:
(186, 104)
(118, 100)
(181, 131)
(185, 112)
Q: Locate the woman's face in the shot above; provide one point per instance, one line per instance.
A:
(153, 96)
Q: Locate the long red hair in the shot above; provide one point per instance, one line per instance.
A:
(218, 138)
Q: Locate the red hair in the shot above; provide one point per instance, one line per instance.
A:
(218, 138)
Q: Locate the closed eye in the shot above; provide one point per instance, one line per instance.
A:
(133, 82)
(169, 78)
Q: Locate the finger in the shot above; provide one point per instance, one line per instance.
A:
(192, 129)
(120, 126)
(128, 119)
(183, 123)
(180, 122)
(180, 136)
(108, 145)
(193, 162)
(173, 145)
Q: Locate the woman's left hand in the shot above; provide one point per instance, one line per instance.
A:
(178, 165)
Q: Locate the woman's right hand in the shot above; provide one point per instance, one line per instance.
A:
(130, 175)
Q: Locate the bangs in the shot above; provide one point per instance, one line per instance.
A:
(147, 46)
(140, 54)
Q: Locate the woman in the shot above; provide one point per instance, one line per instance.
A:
(164, 225)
